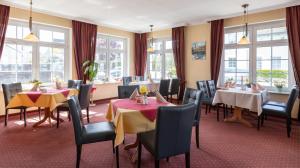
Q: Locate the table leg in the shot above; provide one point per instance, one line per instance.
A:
(132, 145)
(46, 116)
(237, 117)
(54, 118)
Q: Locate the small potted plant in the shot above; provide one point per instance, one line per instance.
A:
(36, 84)
(279, 84)
(144, 91)
(90, 69)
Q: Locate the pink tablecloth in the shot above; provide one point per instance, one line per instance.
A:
(149, 110)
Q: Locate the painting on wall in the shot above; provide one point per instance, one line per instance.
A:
(199, 50)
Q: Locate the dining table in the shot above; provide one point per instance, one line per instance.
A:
(49, 100)
(130, 117)
(241, 99)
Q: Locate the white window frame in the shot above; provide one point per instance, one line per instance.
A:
(108, 50)
(162, 52)
(36, 45)
(254, 44)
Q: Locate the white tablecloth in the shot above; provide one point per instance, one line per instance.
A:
(240, 98)
(152, 86)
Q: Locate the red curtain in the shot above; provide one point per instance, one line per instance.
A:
(140, 43)
(216, 47)
(84, 45)
(179, 56)
(4, 15)
(293, 30)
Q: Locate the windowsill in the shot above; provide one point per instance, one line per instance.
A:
(277, 92)
(107, 82)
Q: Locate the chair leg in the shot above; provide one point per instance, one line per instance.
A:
(206, 108)
(21, 117)
(24, 113)
(39, 109)
(117, 156)
(197, 135)
(57, 122)
(209, 108)
(139, 154)
(69, 115)
(87, 114)
(6, 117)
(156, 163)
(262, 119)
(79, 147)
(187, 160)
(217, 113)
(167, 159)
(113, 144)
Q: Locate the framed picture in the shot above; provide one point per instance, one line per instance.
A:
(199, 50)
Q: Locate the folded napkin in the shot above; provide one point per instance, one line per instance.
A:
(134, 94)
(259, 87)
(254, 88)
(160, 98)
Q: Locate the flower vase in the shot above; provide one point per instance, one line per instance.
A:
(145, 99)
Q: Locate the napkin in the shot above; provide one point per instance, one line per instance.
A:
(134, 94)
(160, 98)
(254, 88)
(259, 87)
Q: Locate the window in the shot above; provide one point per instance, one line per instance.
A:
(23, 61)
(160, 63)
(265, 60)
(111, 55)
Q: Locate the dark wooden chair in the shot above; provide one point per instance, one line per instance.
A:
(164, 87)
(84, 101)
(174, 90)
(172, 135)
(194, 96)
(206, 99)
(127, 80)
(126, 91)
(9, 91)
(90, 133)
(281, 111)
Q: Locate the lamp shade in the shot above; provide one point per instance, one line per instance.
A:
(244, 40)
(31, 37)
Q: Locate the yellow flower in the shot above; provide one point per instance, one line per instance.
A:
(143, 89)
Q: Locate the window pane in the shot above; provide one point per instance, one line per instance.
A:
(229, 76)
(46, 35)
(24, 61)
(22, 32)
(280, 52)
(155, 66)
(242, 66)
(230, 54)
(168, 44)
(11, 32)
(239, 77)
(116, 65)
(58, 37)
(170, 66)
(230, 38)
(243, 54)
(279, 33)
(230, 66)
(116, 44)
(8, 64)
(264, 35)
(157, 45)
(100, 58)
(101, 42)
(263, 53)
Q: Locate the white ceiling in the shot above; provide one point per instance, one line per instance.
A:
(137, 15)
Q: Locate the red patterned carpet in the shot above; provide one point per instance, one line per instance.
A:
(221, 145)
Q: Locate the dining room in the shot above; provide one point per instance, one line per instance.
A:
(111, 83)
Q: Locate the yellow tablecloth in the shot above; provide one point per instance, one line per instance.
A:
(128, 121)
(48, 100)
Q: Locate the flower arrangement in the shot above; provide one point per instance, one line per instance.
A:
(279, 84)
(144, 90)
(36, 83)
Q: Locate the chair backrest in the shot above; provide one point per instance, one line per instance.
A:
(139, 78)
(75, 111)
(84, 95)
(173, 130)
(10, 90)
(175, 83)
(193, 96)
(202, 85)
(291, 100)
(127, 80)
(211, 88)
(75, 84)
(126, 91)
(164, 87)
